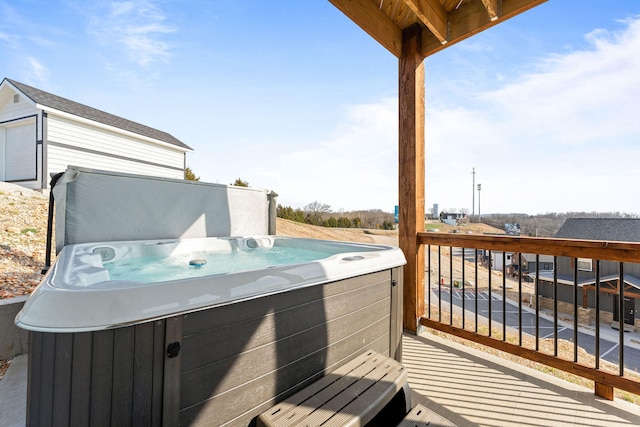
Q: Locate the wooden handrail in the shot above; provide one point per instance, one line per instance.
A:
(602, 250)
(619, 252)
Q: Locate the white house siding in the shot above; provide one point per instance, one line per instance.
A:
(20, 134)
(74, 143)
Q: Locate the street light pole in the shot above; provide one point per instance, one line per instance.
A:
(473, 194)
(479, 216)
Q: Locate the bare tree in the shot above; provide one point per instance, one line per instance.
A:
(316, 211)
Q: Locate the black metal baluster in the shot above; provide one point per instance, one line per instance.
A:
(555, 307)
(597, 314)
(519, 299)
(504, 295)
(476, 289)
(537, 291)
(440, 279)
(450, 285)
(621, 320)
(463, 291)
(489, 270)
(429, 280)
(575, 311)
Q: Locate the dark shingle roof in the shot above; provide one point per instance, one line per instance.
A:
(610, 229)
(541, 258)
(57, 102)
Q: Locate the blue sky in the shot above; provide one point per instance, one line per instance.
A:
(294, 97)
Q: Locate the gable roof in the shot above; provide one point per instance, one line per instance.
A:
(610, 229)
(62, 104)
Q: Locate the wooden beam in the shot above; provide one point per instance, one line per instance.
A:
(411, 173)
(374, 22)
(432, 15)
(492, 8)
(472, 18)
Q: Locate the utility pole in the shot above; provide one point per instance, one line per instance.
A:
(479, 216)
(473, 194)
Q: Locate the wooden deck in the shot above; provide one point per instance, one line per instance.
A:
(467, 386)
(472, 388)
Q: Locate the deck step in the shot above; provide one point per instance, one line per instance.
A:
(420, 416)
(351, 395)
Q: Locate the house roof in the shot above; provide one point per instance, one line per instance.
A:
(608, 229)
(567, 279)
(56, 102)
(542, 258)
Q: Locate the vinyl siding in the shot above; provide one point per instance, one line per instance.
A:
(79, 144)
(62, 157)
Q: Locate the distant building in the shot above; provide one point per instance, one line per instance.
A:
(512, 229)
(601, 229)
(531, 263)
(453, 218)
(497, 260)
(42, 134)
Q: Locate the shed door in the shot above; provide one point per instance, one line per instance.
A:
(20, 152)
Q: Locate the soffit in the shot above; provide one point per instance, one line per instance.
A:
(446, 22)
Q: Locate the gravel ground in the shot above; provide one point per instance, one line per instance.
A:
(23, 234)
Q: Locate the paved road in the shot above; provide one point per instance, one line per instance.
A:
(609, 350)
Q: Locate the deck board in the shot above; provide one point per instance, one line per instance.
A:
(472, 388)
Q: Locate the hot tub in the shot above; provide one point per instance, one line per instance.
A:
(103, 285)
(202, 331)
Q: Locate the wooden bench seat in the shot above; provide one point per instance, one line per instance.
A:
(349, 396)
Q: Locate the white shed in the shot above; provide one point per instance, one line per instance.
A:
(42, 134)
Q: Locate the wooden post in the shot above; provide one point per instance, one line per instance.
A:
(411, 174)
(604, 390)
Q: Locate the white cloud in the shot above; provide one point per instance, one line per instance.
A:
(357, 168)
(561, 138)
(37, 71)
(137, 26)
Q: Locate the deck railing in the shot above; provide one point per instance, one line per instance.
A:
(472, 291)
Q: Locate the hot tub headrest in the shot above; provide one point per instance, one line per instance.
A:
(96, 206)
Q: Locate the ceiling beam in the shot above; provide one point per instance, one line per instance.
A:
(472, 18)
(492, 8)
(374, 22)
(432, 15)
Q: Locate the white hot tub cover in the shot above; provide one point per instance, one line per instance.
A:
(94, 206)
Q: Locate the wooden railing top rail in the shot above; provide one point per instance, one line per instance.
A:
(602, 250)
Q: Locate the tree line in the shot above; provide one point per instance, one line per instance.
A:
(316, 213)
(548, 224)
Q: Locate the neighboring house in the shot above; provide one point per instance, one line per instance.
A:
(530, 263)
(499, 259)
(601, 229)
(453, 218)
(41, 134)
